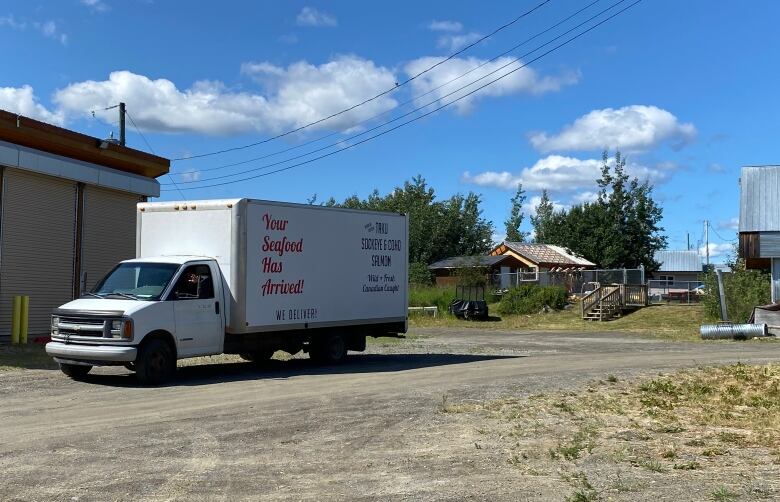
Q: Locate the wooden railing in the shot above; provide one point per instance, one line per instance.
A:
(590, 300)
(611, 301)
(634, 295)
(614, 297)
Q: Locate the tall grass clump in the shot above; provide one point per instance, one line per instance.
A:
(744, 289)
(427, 296)
(531, 298)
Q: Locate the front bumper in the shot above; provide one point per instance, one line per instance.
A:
(106, 353)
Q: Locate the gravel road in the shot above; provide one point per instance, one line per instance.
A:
(367, 430)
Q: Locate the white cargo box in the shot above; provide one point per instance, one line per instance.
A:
(289, 266)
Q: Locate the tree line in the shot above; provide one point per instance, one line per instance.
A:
(621, 228)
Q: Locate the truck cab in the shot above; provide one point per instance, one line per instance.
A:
(144, 314)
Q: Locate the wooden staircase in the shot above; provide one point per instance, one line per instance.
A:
(609, 301)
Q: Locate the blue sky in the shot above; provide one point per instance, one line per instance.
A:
(687, 90)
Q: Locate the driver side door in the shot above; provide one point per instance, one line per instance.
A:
(197, 312)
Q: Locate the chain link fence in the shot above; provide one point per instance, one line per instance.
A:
(575, 282)
(678, 292)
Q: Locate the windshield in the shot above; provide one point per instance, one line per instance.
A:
(141, 281)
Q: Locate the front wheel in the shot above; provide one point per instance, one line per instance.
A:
(75, 371)
(156, 363)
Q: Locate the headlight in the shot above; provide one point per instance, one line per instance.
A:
(55, 321)
(122, 329)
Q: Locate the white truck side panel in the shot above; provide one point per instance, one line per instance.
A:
(317, 266)
(289, 266)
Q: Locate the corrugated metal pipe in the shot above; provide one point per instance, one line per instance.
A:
(725, 331)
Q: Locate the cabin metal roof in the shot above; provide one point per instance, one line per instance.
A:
(678, 261)
(467, 261)
(546, 254)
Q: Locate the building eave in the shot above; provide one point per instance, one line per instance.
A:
(56, 140)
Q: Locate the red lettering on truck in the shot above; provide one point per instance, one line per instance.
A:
(273, 224)
(282, 246)
(282, 288)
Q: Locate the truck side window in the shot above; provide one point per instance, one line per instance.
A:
(194, 283)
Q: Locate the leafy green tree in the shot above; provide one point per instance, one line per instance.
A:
(620, 229)
(543, 219)
(516, 215)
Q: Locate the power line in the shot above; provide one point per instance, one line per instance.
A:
(720, 236)
(411, 112)
(414, 99)
(383, 93)
(425, 114)
(149, 146)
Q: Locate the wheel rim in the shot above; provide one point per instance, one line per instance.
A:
(157, 364)
(336, 347)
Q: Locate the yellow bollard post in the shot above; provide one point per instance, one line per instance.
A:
(17, 306)
(23, 319)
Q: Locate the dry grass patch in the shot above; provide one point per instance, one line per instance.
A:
(715, 428)
(672, 322)
(15, 357)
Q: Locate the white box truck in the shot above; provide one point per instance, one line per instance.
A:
(240, 276)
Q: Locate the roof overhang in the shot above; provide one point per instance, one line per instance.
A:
(32, 133)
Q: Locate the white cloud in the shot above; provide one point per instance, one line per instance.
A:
(435, 82)
(529, 208)
(730, 224)
(22, 101)
(295, 96)
(188, 176)
(309, 16)
(716, 168)
(11, 22)
(562, 174)
(451, 26)
(96, 5)
(49, 30)
(717, 249)
(453, 42)
(635, 127)
(583, 197)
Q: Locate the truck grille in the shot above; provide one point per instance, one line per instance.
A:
(81, 326)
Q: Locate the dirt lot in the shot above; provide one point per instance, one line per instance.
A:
(380, 427)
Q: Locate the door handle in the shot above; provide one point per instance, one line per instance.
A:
(216, 307)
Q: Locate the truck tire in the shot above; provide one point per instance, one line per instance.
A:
(155, 363)
(333, 349)
(257, 356)
(75, 371)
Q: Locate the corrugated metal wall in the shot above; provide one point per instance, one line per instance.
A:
(108, 231)
(759, 199)
(37, 249)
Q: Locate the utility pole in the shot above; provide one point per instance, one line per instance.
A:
(707, 240)
(688, 240)
(122, 124)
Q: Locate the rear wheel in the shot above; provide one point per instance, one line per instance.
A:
(156, 363)
(333, 349)
(75, 371)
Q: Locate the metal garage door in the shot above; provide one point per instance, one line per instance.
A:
(108, 231)
(36, 254)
